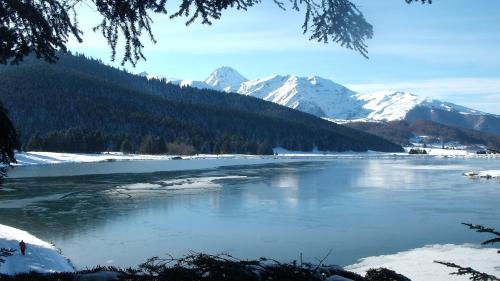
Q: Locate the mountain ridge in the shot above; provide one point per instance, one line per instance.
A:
(327, 99)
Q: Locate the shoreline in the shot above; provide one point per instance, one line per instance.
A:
(53, 164)
(33, 158)
(417, 263)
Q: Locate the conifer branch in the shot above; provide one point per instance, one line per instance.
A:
(44, 27)
(475, 275)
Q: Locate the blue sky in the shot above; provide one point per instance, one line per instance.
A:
(447, 50)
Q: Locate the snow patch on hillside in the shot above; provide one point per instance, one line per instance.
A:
(40, 256)
(418, 264)
(389, 105)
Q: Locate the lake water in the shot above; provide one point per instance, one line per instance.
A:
(355, 207)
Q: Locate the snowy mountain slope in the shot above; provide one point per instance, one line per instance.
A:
(332, 101)
(394, 105)
(315, 95)
(225, 79)
(40, 256)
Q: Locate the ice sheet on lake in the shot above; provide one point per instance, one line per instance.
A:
(418, 264)
(173, 185)
(484, 174)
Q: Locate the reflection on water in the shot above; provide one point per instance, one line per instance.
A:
(358, 208)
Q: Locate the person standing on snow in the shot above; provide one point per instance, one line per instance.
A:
(22, 245)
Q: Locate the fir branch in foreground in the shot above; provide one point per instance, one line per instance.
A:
(475, 275)
(482, 229)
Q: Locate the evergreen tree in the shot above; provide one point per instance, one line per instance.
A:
(176, 148)
(8, 138)
(264, 149)
(126, 146)
(35, 143)
(152, 145)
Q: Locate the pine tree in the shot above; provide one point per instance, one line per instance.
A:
(8, 138)
(126, 146)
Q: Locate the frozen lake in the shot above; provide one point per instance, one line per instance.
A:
(356, 207)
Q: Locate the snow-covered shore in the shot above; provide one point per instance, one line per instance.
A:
(40, 256)
(46, 158)
(418, 264)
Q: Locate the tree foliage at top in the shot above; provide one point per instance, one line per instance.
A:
(44, 26)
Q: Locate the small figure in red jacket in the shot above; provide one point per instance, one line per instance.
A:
(22, 245)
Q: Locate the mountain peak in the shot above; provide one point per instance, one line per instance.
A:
(226, 79)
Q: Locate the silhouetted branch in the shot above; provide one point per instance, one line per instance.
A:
(45, 26)
(475, 275)
(482, 229)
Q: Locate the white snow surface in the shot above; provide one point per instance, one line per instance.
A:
(321, 97)
(48, 158)
(418, 264)
(178, 186)
(40, 256)
(225, 79)
(41, 158)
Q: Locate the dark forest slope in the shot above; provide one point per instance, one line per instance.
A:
(81, 105)
(401, 132)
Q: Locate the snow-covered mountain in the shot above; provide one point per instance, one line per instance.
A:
(327, 99)
(225, 79)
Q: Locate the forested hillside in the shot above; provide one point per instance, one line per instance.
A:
(401, 132)
(81, 105)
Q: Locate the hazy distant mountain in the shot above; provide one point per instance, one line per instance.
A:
(332, 101)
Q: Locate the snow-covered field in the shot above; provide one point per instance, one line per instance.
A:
(44, 158)
(40, 255)
(418, 264)
(40, 158)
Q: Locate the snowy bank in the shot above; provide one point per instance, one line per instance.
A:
(40, 256)
(418, 264)
(46, 158)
